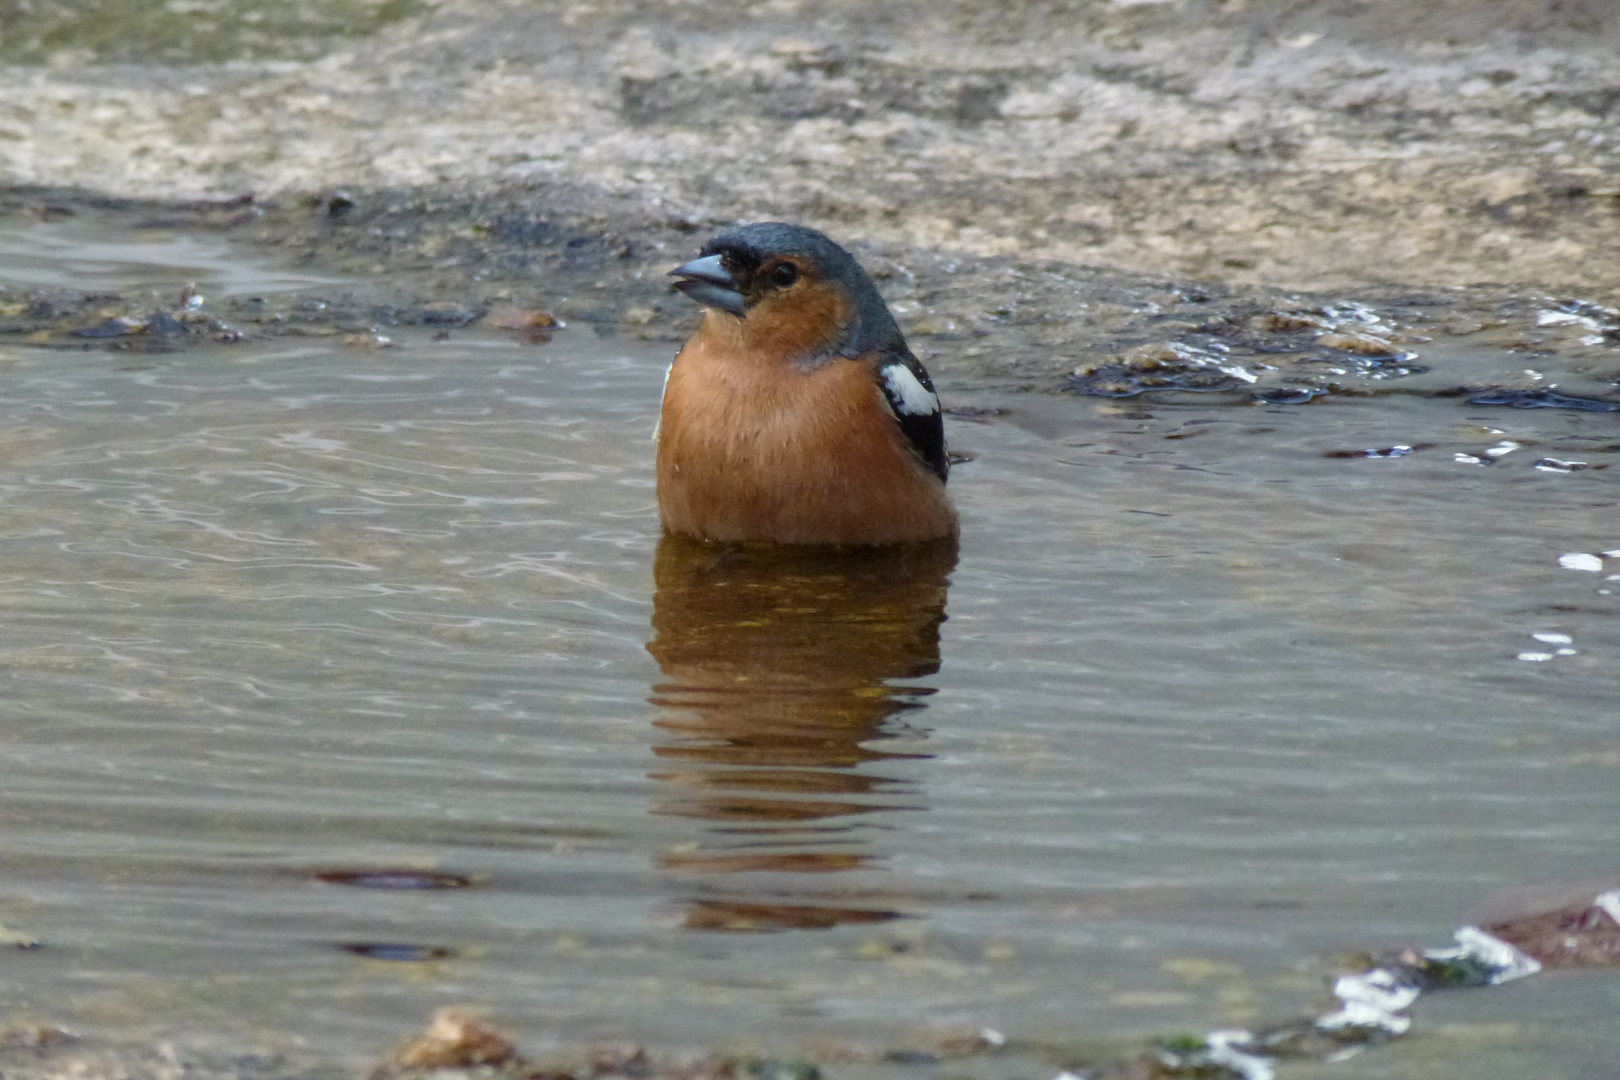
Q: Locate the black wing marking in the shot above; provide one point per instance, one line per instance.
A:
(912, 401)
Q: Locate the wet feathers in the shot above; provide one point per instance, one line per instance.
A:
(796, 413)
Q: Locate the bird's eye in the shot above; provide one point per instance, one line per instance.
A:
(784, 275)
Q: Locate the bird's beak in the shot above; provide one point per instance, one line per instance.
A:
(707, 282)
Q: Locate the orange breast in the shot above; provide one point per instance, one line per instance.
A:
(750, 450)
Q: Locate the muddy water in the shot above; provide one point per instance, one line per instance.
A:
(340, 684)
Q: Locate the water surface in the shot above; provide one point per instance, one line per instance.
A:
(338, 684)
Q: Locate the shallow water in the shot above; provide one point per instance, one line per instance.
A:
(1206, 706)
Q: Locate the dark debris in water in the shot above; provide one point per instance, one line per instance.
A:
(444, 314)
(398, 951)
(1539, 399)
(395, 880)
(1399, 450)
(163, 324)
(1290, 395)
(737, 917)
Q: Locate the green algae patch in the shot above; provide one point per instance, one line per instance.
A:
(66, 33)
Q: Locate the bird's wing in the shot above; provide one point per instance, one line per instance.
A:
(911, 398)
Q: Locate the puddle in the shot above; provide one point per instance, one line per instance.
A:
(86, 253)
(341, 684)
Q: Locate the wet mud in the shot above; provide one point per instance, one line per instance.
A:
(990, 323)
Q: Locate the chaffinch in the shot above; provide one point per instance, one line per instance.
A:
(796, 413)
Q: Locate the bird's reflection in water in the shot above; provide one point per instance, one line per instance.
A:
(777, 705)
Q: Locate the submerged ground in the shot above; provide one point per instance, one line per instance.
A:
(1290, 205)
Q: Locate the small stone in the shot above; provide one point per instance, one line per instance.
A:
(510, 318)
(1361, 344)
(1283, 322)
(453, 1040)
(28, 1035)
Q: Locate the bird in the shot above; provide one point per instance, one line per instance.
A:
(796, 413)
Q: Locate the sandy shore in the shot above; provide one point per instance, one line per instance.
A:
(1299, 145)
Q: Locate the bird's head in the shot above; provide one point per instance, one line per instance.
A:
(793, 285)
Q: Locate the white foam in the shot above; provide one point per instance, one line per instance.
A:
(1473, 943)
(1373, 999)
(1564, 318)
(1223, 1051)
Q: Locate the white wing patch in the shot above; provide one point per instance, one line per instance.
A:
(910, 396)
